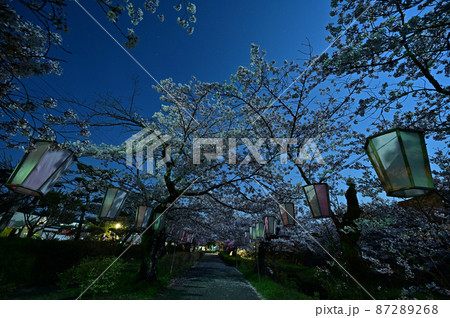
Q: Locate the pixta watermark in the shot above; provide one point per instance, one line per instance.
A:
(147, 141)
(254, 149)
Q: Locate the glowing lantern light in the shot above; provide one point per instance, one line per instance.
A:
(39, 170)
(287, 212)
(259, 230)
(400, 159)
(143, 214)
(318, 199)
(113, 202)
(269, 225)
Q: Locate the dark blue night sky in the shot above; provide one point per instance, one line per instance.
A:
(221, 42)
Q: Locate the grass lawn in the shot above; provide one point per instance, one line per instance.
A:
(285, 280)
(267, 287)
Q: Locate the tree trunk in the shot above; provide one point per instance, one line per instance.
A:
(79, 227)
(30, 232)
(152, 247)
(352, 254)
(349, 235)
(152, 243)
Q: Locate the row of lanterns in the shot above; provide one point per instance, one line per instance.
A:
(268, 227)
(399, 157)
(186, 237)
(181, 235)
(39, 170)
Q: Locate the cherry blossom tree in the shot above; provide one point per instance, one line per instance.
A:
(241, 112)
(28, 47)
(400, 52)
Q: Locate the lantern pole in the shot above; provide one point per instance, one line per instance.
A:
(173, 256)
(257, 264)
(235, 255)
(81, 221)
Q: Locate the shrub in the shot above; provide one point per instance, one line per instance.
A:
(25, 262)
(87, 271)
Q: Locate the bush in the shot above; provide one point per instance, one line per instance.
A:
(89, 269)
(25, 262)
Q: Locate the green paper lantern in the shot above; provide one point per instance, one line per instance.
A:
(40, 169)
(259, 230)
(399, 157)
(113, 202)
(158, 221)
(252, 232)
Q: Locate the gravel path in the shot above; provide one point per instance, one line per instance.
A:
(210, 279)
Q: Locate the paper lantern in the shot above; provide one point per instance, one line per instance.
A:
(318, 199)
(143, 214)
(259, 230)
(287, 213)
(246, 238)
(158, 221)
(40, 169)
(252, 233)
(113, 202)
(399, 157)
(172, 229)
(269, 225)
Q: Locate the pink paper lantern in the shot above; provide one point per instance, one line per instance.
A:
(318, 199)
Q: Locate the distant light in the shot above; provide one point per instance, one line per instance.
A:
(118, 226)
